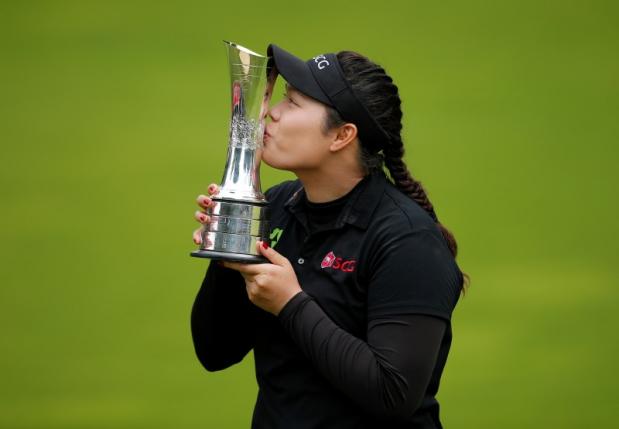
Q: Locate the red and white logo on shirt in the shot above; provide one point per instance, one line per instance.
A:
(337, 263)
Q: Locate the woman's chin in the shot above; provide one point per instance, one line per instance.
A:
(273, 163)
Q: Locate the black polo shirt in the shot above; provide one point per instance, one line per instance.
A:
(382, 257)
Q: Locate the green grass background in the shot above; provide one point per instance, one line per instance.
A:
(114, 116)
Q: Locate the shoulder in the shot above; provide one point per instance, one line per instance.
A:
(398, 214)
(410, 268)
(400, 225)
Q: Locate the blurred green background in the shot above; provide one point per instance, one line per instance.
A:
(114, 117)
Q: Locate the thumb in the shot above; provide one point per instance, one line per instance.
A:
(271, 254)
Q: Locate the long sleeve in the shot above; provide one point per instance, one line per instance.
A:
(222, 319)
(388, 374)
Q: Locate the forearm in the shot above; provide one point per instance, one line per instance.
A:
(388, 374)
(222, 319)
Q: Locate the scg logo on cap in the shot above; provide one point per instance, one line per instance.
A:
(322, 62)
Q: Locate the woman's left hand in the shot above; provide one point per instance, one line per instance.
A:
(269, 286)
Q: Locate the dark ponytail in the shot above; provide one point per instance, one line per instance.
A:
(376, 90)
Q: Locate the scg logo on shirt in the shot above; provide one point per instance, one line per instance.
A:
(337, 263)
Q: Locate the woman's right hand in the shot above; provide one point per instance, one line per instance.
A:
(204, 202)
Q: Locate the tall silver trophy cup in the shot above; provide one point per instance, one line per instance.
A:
(240, 216)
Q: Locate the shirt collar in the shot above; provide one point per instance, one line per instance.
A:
(359, 207)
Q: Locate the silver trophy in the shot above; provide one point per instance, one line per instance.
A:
(240, 216)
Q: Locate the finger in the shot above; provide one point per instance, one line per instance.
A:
(245, 268)
(213, 189)
(233, 265)
(271, 254)
(260, 280)
(197, 236)
(252, 292)
(249, 277)
(204, 201)
(202, 217)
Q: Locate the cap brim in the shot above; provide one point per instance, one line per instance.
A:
(296, 72)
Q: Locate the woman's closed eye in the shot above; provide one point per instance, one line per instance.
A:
(289, 98)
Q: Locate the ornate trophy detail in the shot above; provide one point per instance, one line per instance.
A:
(239, 217)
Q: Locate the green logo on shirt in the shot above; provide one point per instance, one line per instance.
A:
(275, 235)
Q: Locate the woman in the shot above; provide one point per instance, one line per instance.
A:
(350, 322)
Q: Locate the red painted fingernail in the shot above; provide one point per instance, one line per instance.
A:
(203, 218)
(211, 188)
(265, 245)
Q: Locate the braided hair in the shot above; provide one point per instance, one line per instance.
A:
(376, 90)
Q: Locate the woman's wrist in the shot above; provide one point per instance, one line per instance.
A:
(291, 306)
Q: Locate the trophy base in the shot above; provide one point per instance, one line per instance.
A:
(231, 257)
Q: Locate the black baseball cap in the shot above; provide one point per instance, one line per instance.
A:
(322, 79)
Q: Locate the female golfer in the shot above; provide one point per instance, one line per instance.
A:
(350, 321)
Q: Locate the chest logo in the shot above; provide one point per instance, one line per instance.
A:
(275, 236)
(337, 263)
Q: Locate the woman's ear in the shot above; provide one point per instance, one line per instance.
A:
(344, 135)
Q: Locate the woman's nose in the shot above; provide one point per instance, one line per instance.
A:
(273, 112)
